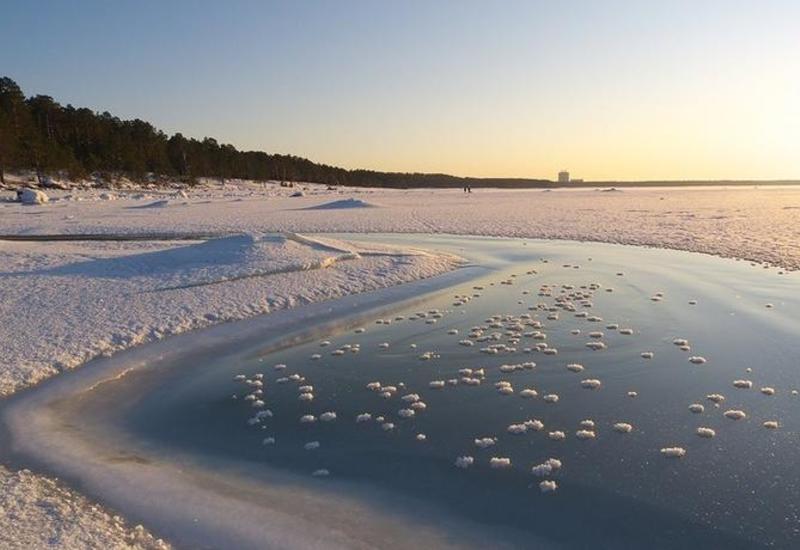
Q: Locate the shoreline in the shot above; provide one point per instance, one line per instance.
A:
(36, 438)
(37, 435)
(289, 312)
(752, 224)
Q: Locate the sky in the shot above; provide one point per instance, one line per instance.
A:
(610, 90)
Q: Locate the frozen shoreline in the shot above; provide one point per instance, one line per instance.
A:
(179, 496)
(187, 508)
(64, 303)
(758, 224)
(761, 225)
(73, 301)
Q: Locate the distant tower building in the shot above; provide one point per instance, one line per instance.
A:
(563, 177)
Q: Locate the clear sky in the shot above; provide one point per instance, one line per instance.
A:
(635, 89)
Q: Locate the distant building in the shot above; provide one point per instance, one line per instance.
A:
(563, 177)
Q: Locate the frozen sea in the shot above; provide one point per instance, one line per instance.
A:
(529, 312)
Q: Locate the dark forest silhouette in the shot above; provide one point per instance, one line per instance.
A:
(37, 133)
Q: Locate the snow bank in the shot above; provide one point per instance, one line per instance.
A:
(344, 203)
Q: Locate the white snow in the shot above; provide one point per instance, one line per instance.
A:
(673, 452)
(742, 222)
(548, 486)
(38, 512)
(623, 427)
(735, 414)
(499, 463)
(591, 383)
(703, 431)
(542, 470)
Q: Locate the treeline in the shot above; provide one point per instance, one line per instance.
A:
(37, 133)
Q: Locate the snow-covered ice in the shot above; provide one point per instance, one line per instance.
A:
(754, 223)
(78, 300)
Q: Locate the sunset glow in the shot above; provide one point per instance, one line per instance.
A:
(608, 90)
